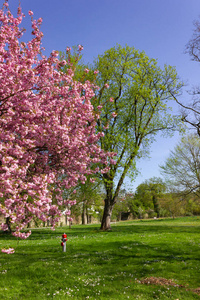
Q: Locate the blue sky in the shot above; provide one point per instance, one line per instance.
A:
(159, 27)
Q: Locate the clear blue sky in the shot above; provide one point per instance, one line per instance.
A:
(159, 27)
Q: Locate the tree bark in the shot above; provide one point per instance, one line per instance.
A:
(105, 223)
(84, 215)
(8, 224)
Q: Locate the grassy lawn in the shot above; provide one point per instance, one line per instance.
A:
(105, 265)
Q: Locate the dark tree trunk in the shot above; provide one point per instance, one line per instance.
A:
(89, 219)
(8, 224)
(111, 197)
(105, 223)
(84, 215)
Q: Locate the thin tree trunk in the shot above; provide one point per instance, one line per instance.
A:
(88, 218)
(8, 224)
(119, 217)
(84, 215)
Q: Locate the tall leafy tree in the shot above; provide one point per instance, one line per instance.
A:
(134, 93)
(133, 99)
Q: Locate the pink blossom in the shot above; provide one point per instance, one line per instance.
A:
(8, 251)
(96, 72)
(80, 47)
(111, 99)
(63, 63)
(30, 13)
(113, 162)
(106, 85)
(21, 235)
(39, 20)
(105, 170)
(92, 180)
(54, 53)
(73, 202)
(87, 70)
(114, 114)
(112, 154)
(4, 227)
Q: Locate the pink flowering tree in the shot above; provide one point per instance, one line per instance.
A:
(48, 140)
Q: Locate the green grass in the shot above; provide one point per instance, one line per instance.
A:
(104, 265)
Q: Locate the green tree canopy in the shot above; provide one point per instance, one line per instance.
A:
(140, 92)
(133, 99)
(149, 192)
